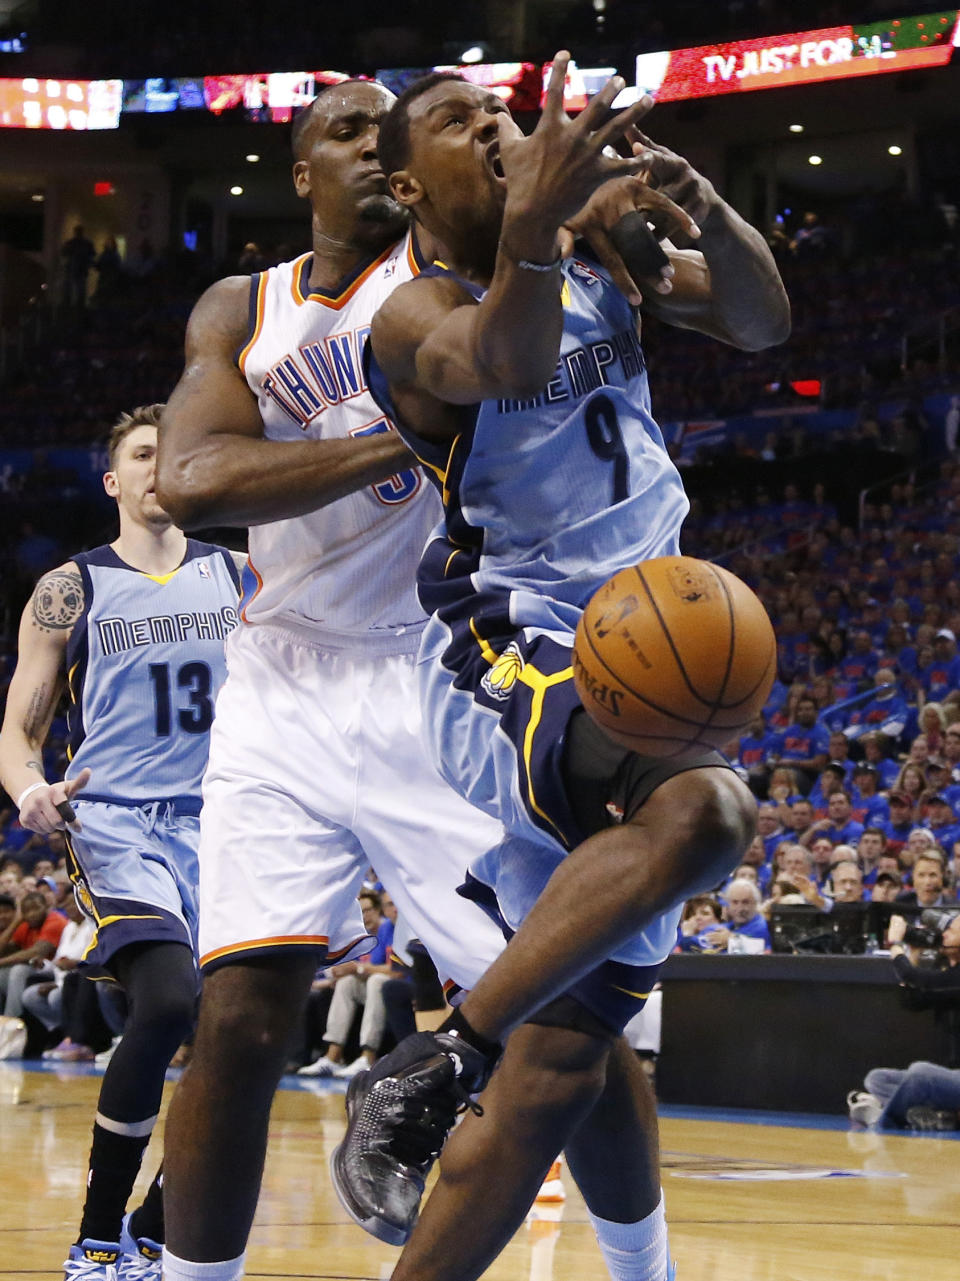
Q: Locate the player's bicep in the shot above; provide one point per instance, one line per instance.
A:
(425, 336)
(45, 626)
(212, 396)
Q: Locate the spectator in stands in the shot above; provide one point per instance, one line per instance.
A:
(933, 725)
(887, 711)
(910, 782)
(846, 882)
(875, 754)
(885, 888)
(358, 987)
(742, 918)
(33, 934)
(871, 847)
(811, 238)
(795, 869)
(783, 788)
(951, 751)
(752, 752)
(857, 670)
(769, 828)
(941, 821)
(109, 268)
(839, 826)
(701, 915)
(803, 745)
(870, 806)
(942, 677)
(77, 255)
(928, 882)
(801, 818)
(56, 1005)
(831, 779)
(821, 851)
(756, 859)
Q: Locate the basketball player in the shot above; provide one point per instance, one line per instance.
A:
(317, 767)
(137, 629)
(520, 383)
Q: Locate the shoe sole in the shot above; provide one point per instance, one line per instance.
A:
(386, 1232)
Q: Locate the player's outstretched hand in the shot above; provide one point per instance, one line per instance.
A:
(47, 808)
(674, 177)
(599, 218)
(552, 173)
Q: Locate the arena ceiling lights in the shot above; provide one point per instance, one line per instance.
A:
(805, 57)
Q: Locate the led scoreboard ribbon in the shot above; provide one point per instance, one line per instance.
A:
(770, 62)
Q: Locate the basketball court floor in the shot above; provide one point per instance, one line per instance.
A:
(750, 1196)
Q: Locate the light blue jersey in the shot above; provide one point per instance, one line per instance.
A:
(544, 501)
(145, 661)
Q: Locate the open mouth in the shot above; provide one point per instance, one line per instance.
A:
(493, 161)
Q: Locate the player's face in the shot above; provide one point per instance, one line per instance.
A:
(454, 159)
(132, 482)
(339, 171)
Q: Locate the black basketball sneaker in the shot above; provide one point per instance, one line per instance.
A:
(398, 1117)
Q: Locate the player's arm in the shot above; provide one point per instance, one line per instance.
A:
(56, 604)
(729, 286)
(215, 465)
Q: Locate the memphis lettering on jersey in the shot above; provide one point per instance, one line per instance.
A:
(119, 634)
(582, 371)
(319, 375)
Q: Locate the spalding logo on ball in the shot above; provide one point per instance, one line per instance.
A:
(674, 657)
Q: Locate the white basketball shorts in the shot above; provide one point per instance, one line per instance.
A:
(317, 771)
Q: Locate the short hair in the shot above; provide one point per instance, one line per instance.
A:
(875, 831)
(303, 116)
(372, 895)
(33, 896)
(932, 855)
(847, 862)
(702, 900)
(7, 901)
(142, 416)
(393, 145)
(743, 883)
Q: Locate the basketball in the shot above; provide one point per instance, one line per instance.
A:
(674, 657)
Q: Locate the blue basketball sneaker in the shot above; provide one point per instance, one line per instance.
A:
(141, 1259)
(398, 1117)
(92, 1261)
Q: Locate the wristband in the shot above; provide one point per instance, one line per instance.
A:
(525, 264)
(27, 790)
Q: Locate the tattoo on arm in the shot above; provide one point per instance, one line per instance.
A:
(57, 601)
(36, 715)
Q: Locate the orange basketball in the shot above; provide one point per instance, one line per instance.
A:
(673, 657)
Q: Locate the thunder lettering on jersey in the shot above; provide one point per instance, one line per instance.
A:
(347, 570)
(546, 498)
(144, 663)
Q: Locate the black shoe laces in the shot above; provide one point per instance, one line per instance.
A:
(419, 1135)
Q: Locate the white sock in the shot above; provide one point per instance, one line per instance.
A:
(634, 1251)
(175, 1269)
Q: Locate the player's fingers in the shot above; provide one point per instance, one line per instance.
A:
(596, 110)
(669, 218)
(73, 785)
(566, 240)
(553, 99)
(621, 120)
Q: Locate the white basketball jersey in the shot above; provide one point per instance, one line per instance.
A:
(348, 570)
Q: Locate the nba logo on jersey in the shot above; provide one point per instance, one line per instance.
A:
(584, 273)
(203, 569)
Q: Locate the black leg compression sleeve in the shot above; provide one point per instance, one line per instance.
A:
(160, 981)
(161, 986)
